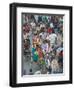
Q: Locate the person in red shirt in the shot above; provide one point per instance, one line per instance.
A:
(61, 53)
(40, 53)
(49, 30)
(26, 28)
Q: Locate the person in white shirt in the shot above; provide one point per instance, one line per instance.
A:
(55, 66)
(43, 35)
(47, 61)
(33, 26)
(51, 25)
(52, 38)
(49, 48)
(42, 25)
(25, 36)
(36, 18)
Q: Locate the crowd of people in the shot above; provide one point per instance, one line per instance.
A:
(43, 41)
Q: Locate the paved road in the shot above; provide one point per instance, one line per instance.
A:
(28, 64)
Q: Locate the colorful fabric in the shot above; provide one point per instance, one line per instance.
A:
(35, 56)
